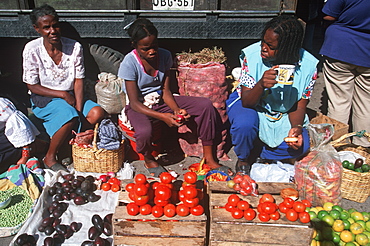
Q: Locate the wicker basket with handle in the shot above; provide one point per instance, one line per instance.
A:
(355, 186)
(97, 160)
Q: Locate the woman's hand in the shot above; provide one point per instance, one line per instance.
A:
(182, 112)
(69, 98)
(295, 132)
(170, 120)
(268, 79)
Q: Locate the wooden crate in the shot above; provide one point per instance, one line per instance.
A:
(225, 230)
(148, 230)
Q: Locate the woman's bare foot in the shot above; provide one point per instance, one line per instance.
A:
(49, 161)
(150, 162)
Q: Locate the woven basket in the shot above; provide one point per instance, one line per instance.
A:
(97, 160)
(355, 186)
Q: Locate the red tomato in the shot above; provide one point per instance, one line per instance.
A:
(237, 187)
(114, 181)
(129, 187)
(163, 192)
(132, 209)
(141, 200)
(165, 178)
(191, 202)
(237, 213)
(181, 195)
(243, 205)
(245, 183)
(267, 198)
(299, 206)
(304, 217)
(141, 189)
(115, 187)
(197, 210)
(131, 195)
(268, 207)
(155, 185)
(140, 178)
(264, 217)
(185, 184)
(182, 210)
(249, 214)
(307, 203)
(238, 178)
(169, 186)
(291, 215)
(246, 191)
(169, 210)
(145, 209)
(160, 202)
(105, 186)
(229, 207)
(259, 208)
(157, 211)
(288, 202)
(190, 192)
(190, 177)
(275, 216)
(233, 199)
(283, 208)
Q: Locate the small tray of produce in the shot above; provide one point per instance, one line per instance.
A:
(71, 210)
(257, 214)
(161, 212)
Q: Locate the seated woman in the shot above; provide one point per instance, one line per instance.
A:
(54, 71)
(263, 112)
(146, 73)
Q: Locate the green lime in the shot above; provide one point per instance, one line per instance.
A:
(335, 214)
(312, 214)
(359, 170)
(322, 213)
(345, 164)
(366, 216)
(351, 166)
(336, 238)
(344, 215)
(328, 220)
(347, 224)
(351, 210)
(337, 207)
(365, 168)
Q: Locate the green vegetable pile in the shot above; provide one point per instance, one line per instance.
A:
(18, 209)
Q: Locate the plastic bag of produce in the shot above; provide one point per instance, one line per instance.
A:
(109, 93)
(318, 175)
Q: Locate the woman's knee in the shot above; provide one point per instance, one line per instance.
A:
(96, 114)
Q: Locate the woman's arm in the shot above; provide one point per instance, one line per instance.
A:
(44, 91)
(250, 97)
(79, 93)
(296, 119)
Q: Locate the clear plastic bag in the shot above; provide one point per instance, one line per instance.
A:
(318, 175)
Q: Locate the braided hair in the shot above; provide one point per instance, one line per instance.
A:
(290, 38)
(41, 11)
(140, 29)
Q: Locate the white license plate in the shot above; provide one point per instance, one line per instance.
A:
(173, 4)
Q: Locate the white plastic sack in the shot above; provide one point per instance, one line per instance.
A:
(350, 156)
(278, 172)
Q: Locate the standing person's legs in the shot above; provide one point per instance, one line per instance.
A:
(339, 83)
(361, 105)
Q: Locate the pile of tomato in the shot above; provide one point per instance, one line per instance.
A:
(268, 209)
(163, 198)
(109, 182)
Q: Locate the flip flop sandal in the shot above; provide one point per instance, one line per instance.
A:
(57, 166)
(156, 171)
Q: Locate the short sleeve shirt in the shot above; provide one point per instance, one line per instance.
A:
(131, 69)
(39, 68)
(348, 38)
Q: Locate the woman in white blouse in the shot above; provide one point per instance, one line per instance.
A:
(53, 70)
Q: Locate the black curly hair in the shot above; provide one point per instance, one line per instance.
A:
(291, 32)
(41, 11)
(140, 29)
